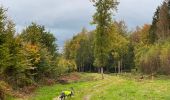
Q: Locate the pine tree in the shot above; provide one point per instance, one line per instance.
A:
(4, 49)
(2, 24)
(163, 30)
(169, 12)
(36, 34)
(152, 37)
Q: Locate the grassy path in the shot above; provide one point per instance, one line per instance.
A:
(91, 87)
(102, 86)
(87, 93)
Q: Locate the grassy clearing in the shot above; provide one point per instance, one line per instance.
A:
(134, 90)
(50, 92)
(122, 87)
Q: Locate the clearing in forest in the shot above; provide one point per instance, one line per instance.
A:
(113, 87)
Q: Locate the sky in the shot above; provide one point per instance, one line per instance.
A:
(66, 18)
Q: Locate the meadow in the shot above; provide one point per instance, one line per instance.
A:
(90, 86)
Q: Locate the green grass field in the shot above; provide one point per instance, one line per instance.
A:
(113, 87)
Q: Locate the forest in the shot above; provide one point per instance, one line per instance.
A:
(30, 59)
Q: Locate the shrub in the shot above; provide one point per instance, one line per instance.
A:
(154, 59)
(165, 58)
(150, 61)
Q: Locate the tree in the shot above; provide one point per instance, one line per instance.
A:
(36, 34)
(152, 37)
(5, 55)
(163, 25)
(4, 58)
(121, 28)
(3, 18)
(118, 46)
(42, 50)
(84, 56)
(103, 19)
(19, 64)
(80, 49)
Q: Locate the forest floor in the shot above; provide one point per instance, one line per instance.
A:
(89, 86)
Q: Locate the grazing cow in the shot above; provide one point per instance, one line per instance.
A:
(67, 93)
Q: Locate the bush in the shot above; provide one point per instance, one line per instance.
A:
(66, 65)
(165, 58)
(154, 59)
(150, 61)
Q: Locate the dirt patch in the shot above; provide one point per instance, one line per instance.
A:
(87, 97)
(57, 98)
(28, 89)
(73, 77)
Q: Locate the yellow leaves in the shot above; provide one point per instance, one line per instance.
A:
(119, 43)
(31, 48)
(141, 34)
(33, 51)
(67, 64)
(37, 59)
(165, 55)
(115, 55)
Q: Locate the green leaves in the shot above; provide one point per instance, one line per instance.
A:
(152, 45)
(5, 58)
(103, 19)
(80, 50)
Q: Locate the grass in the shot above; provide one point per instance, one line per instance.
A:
(113, 87)
(49, 92)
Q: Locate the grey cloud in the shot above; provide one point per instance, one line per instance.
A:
(137, 12)
(65, 18)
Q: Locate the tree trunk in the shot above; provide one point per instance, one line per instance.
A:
(107, 69)
(83, 69)
(121, 65)
(79, 69)
(118, 66)
(90, 68)
(98, 70)
(152, 76)
(102, 72)
(115, 70)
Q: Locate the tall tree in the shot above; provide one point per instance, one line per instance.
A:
(118, 46)
(103, 19)
(152, 37)
(2, 24)
(163, 25)
(80, 49)
(4, 50)
(36, 34)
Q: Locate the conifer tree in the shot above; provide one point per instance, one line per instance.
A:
(152, 37)
(163, 25)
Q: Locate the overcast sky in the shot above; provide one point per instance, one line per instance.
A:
(65, 18)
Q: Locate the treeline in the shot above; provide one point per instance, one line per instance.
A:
(152, 43)
(120, 56)
(107, 48)
(26, 57)
(146, 49)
